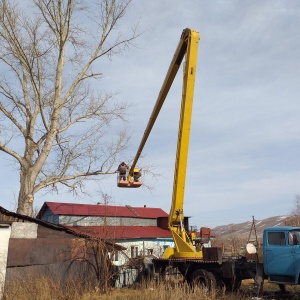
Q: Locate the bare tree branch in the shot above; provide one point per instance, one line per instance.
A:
(64, 128)
(11, 152)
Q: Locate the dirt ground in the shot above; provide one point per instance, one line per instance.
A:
(271, 292)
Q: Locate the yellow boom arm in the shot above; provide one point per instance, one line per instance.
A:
(188, 48)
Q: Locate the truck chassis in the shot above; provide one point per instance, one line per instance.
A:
(212, 270)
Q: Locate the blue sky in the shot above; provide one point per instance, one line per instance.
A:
(245, 135)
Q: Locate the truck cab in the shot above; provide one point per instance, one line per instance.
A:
(281, 254)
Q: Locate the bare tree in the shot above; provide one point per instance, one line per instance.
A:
(296, 209)
(98, 258)
(53, 122)
(294, 218)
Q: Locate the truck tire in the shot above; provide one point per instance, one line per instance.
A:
(282, 287)
(203, 278)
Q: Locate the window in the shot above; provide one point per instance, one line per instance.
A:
(134, 251)
(149, 251)
(294, 237)
(276, 238)
(116, 256)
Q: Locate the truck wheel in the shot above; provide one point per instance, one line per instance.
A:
(282, 287)
(203, 278)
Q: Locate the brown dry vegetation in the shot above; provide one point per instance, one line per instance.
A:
(46, 289)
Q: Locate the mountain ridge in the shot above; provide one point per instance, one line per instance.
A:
(243, 229)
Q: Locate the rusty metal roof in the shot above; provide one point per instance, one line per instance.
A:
(59, 208)
(123, 232)
(8, 217)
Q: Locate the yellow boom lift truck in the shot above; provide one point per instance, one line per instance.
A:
(206, 265)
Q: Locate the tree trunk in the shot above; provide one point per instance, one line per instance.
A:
(25, 200)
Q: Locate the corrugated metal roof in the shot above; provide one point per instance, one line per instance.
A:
(9, 217)
(122, 232)
(102, 210)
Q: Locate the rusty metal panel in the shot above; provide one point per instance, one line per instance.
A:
(213, 254)
(25, 252)
(80, 272)
(79, 249)
(45, 232)
(162, 222)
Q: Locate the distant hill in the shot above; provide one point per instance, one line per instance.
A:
(243, 229)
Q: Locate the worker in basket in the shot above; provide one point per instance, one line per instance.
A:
(136, 174)
(122, 169)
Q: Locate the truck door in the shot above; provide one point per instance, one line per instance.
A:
(278, 255)
(294, 242)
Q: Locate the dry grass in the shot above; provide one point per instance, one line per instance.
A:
(45, 289)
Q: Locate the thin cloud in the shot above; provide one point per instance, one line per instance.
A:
(243, 156)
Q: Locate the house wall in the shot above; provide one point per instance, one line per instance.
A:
(35, 252)
(31, 250)
(105, 221)
(4, 239)
(26, 247)
(143, 251)
(139, 248)
(60, 259)
(77, 271)
(48, 216)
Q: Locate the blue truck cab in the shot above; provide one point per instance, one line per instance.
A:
(281, 254)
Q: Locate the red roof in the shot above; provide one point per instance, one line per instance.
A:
(104, 210)
(122, 232)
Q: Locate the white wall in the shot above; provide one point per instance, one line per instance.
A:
(4, 239)
(24, 230)
(103, 221)
(143, 246)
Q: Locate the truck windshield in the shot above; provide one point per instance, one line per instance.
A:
(294, 237)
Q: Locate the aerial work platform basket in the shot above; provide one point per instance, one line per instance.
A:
(128, 184)
(130, 181)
